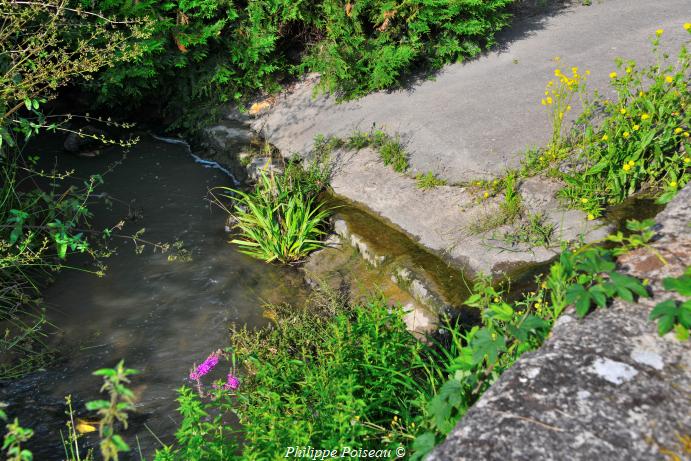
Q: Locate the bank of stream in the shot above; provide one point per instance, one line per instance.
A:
(163, 312)
(159, 312)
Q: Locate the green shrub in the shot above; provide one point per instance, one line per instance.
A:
(370, 45)
(327, 377)
(204, 51)
(280, 220)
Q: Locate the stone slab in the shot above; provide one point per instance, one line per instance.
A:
(605, 387)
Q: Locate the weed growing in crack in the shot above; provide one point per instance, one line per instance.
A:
(428, 181)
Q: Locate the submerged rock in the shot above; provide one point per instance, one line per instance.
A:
(604, 387)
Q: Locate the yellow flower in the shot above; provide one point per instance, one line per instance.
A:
(543, 285)
(627, 167)
(549, 100)
(626, 134)
(628, 70)
(605, 137)
(550, 83)
(486, 194)
(645, 117)
(686, 134)
(687, 26)
(636, 127)
(645, 282)
(669, 79)
(677, 130)
(537, 305)
(641, 93)
(561, 115)
(622, 111)
(673, 184)
(496, 300)
(557, 72)
(687, 160)
(543, 102)
(591, 216)
(659, 32)
(613, 75)
(584, 200)
(568, 108)
(632, 163)
(587, 72)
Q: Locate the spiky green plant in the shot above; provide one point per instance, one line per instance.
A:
(277, 222)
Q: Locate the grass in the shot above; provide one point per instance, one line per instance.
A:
(534, 231)
(328, 374)
(393, 154)
(509, 209)
(428, 181)
(389, 148)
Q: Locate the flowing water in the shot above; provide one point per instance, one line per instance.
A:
(160, 315)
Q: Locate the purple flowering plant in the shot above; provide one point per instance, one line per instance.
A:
(232, 382)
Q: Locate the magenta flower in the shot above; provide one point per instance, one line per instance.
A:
(232, 383)
(206, 366)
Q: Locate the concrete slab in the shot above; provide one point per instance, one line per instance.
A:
(476, 118)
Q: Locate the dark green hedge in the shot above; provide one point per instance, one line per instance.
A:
(203, 50)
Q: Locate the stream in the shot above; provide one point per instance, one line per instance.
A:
(158, 314)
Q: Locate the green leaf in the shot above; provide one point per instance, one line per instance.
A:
(487, 344)
(577, 294)
(120, 444)
(105, 372)
(681, 284)
(598, 294)
(97, 405)
(666, 315)
(422, 445)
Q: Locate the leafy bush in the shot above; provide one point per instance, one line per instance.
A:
(202, 51)
(328, 376)
(369, 45)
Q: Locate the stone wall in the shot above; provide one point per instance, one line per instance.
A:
(605, 387)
